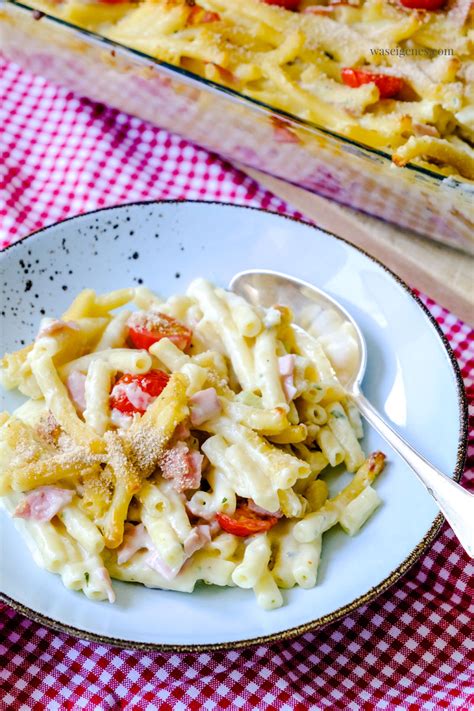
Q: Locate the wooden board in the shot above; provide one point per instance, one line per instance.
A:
(444, 274)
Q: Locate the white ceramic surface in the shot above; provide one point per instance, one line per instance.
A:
(410, 377)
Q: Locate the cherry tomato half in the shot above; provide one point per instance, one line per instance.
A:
(387, 85)
(429, 5)
(199, 16)
(245, 522)
(287, 4)
(133, 393)
(145, 330)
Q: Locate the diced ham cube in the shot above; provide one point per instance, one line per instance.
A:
(76, 385)
(182, 467)
(43, 503)
(286, 367)
(204, 406)
(137, 538)
(195, 460)
(289, 388)
(155, 562)
(134, 538)
(182, 431)
(286, 364)
(104, 576)
(197, 539)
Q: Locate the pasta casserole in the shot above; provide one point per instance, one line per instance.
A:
(395, 75)
(183, 440)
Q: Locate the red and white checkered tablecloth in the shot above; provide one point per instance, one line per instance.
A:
(408, 649)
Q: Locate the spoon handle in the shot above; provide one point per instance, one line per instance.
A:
(456, 503)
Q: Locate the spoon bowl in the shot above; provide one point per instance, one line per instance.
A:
(325, 319)
(313, 309)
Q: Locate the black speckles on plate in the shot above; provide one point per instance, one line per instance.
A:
(53, 271)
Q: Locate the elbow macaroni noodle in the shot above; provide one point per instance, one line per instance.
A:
(219, 477)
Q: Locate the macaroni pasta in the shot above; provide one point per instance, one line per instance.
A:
(155, 455)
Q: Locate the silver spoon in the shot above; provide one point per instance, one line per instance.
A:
(266, 288)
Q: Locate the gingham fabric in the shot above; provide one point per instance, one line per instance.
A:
(408, 649)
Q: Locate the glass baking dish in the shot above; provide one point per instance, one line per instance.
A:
(239, 128)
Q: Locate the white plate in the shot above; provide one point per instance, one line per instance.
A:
(411, 376)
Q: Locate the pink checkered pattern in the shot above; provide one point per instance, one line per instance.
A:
(409, 649)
